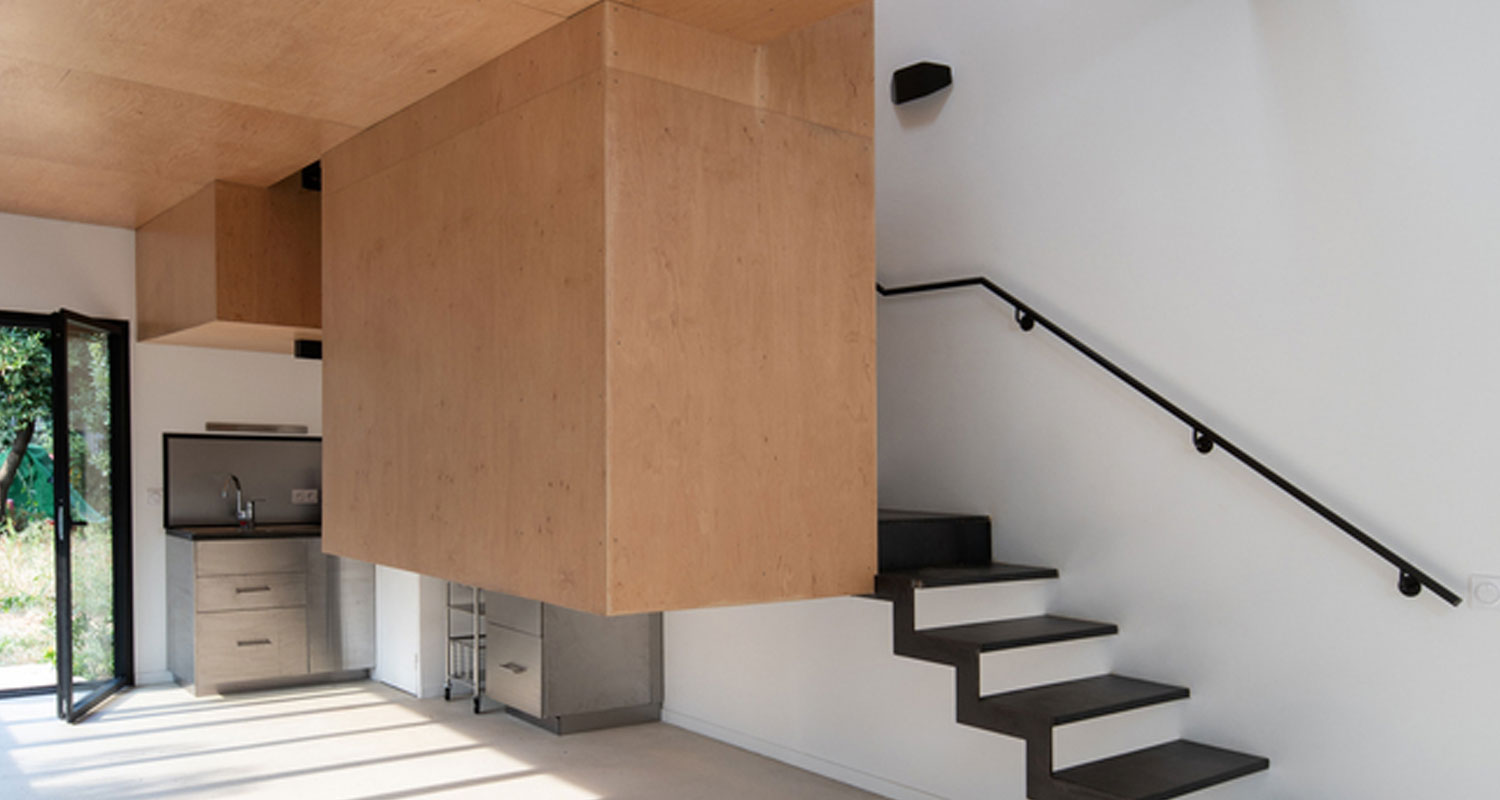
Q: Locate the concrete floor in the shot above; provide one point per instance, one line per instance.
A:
(364, 740)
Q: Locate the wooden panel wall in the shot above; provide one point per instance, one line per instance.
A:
(599, 322)
(747, 21)
(176, 267)
(115, 111)
(464, 340)
(740, 264)
(270, 254)
(232, 266)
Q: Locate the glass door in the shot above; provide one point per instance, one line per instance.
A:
(91, 482)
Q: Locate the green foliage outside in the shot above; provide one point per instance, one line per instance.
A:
(25, 415)
(28, 604)
(25, 377)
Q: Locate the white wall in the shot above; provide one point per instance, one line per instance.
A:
(409, 641)
(47, 264)
(1280, 214)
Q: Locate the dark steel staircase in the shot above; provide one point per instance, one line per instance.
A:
(922, 550)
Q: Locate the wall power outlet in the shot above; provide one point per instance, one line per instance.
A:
(304, 497)
(1484, 591)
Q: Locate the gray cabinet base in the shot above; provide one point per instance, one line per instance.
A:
(592, 720)
(286, 681)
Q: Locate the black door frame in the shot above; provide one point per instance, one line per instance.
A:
(121, 512)
(117, 333)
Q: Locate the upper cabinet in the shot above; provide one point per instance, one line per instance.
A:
(599, 318)
(232, 266)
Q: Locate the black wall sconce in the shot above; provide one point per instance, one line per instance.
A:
(919, 80)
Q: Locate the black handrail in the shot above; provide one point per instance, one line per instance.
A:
(1411, 578)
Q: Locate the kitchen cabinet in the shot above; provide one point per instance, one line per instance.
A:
(571, 671)
(232, 266)
(599, 319)
(244, 610)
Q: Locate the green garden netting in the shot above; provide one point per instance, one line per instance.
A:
(32, 489)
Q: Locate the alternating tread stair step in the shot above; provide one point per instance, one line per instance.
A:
(1157, 773)
(965, 575)
(1075, 701)
(1004, 634)
(914, 539)
(920, 550)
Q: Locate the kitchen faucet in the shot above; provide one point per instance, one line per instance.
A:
(244, 510)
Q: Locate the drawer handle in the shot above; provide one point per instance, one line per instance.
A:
(250, 589)
(516, 669)
(253, 642)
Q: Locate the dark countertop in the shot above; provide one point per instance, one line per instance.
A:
(269, 530)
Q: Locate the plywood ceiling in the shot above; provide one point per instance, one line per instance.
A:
(112, 111)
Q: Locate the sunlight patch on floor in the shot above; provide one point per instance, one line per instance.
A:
(361, 741)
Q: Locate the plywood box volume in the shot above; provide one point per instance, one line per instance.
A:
(599, 321)
(233, 266)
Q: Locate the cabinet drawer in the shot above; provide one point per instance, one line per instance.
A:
(513, 669)
(514, 612)
(252, 557)
(249, 645)
(245, 592)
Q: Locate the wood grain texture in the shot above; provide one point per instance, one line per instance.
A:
(114, 197)
(758, 21)
(667, 50)
(539, 65)
(270, 254)
(237, 646)
(232, 266)
(563, 8)
(111, 112)
(742, 348)
(251, 556)
(97, 121)
(247, 592)
(608, 344)
(463, 362)
(825, 72)
(239, 336)
(346, 61)
(176, 268)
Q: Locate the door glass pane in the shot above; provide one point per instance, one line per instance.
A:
(28, 602)
(92, 541)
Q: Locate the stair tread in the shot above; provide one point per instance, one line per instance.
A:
(1021, 632)
(1166, 770)
(965, 574)
(903, 515)
(1072, 701)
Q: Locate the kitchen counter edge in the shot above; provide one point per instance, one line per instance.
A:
(208, 533)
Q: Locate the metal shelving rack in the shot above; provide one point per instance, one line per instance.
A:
(464, 662)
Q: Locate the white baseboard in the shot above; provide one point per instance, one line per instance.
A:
(811, 763)
(155, 678)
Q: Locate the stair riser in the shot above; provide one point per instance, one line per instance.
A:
(963, 604)
(1009, 670)
(911, 544)
(1102, 737)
